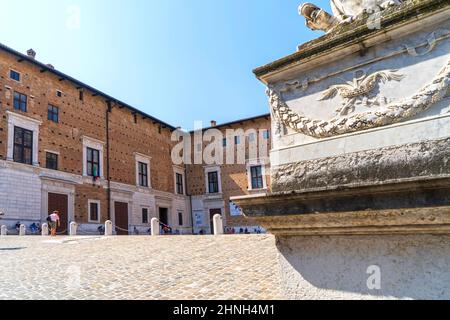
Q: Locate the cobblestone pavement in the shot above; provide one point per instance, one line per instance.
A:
(117, 268)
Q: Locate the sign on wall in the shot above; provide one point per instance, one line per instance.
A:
(235, 210)
(198, 218)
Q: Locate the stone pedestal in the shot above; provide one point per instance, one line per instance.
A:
(361, 123)
(73, 229)
(108, 228)
(156, 231)
(218, 224)
(45, 230)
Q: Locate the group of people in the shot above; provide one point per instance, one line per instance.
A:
(53, 221)
(242, 231)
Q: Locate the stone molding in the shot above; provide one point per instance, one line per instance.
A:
(391, 164)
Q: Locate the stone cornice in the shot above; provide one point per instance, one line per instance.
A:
(411, 207)
(354, 33)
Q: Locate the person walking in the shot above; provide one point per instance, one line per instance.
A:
(54, 222)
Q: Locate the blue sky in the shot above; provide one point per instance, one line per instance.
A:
(178, 60)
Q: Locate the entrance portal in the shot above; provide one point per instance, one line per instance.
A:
(60, 202)
(121, 215)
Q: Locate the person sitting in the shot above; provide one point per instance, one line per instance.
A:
(101, 230)
(35, 228)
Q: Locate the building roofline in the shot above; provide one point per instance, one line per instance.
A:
(267, 115)
(44, 68)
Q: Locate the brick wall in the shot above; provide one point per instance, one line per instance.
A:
(234, 177)
(130, 133)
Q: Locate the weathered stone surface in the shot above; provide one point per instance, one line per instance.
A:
(410, 267)
(387, 165)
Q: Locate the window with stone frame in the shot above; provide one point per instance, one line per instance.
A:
(23, 146)
(93, 162)
(213, 182)
(145, 215)
(180, 218)
(14, 75)
(53, 113)
(180, 184)
(143, 174)
(51, 161)
(94, 211)
(20, 101)
(257, 177)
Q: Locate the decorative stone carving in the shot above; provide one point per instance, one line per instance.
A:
(432, 41)
(354, 91)
(427, 158)
(317, 18)
(390, 113)
(344, 11)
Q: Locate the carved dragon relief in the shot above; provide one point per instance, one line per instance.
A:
(389, 113)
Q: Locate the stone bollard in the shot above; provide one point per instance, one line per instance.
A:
(108, 228)
(44, 231)
(155, 227)
(218, 225)
(4, 231)
(73, 229)
(22, 230)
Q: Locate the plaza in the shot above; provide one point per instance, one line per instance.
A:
(143, 268)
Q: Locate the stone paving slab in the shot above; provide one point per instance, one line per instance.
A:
(128, 268)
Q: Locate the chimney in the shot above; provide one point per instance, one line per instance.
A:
(213, 123)
(31, 53)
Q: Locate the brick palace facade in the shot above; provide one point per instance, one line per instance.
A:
(67, 146)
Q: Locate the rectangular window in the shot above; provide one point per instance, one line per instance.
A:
(266, 134)
(144, 215)
(53, 113)
(14, 75)
(180, 186)
(143, 174)
(224, 142)
(23, 146)
(51, 161)
(257, 178)
(59, 93)
(20, 101)
(251, 137)
(93, 162)
(81, 95)
(237, 140)
(180, 218)
(213, 182)
(94, 212)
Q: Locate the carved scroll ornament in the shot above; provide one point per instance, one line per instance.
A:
(391, 113)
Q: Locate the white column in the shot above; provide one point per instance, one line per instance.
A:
(4, 231)
(22, 230)
(45, 230)
(155, 227)
(218, 224)
(108, 228)
(73, 229)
